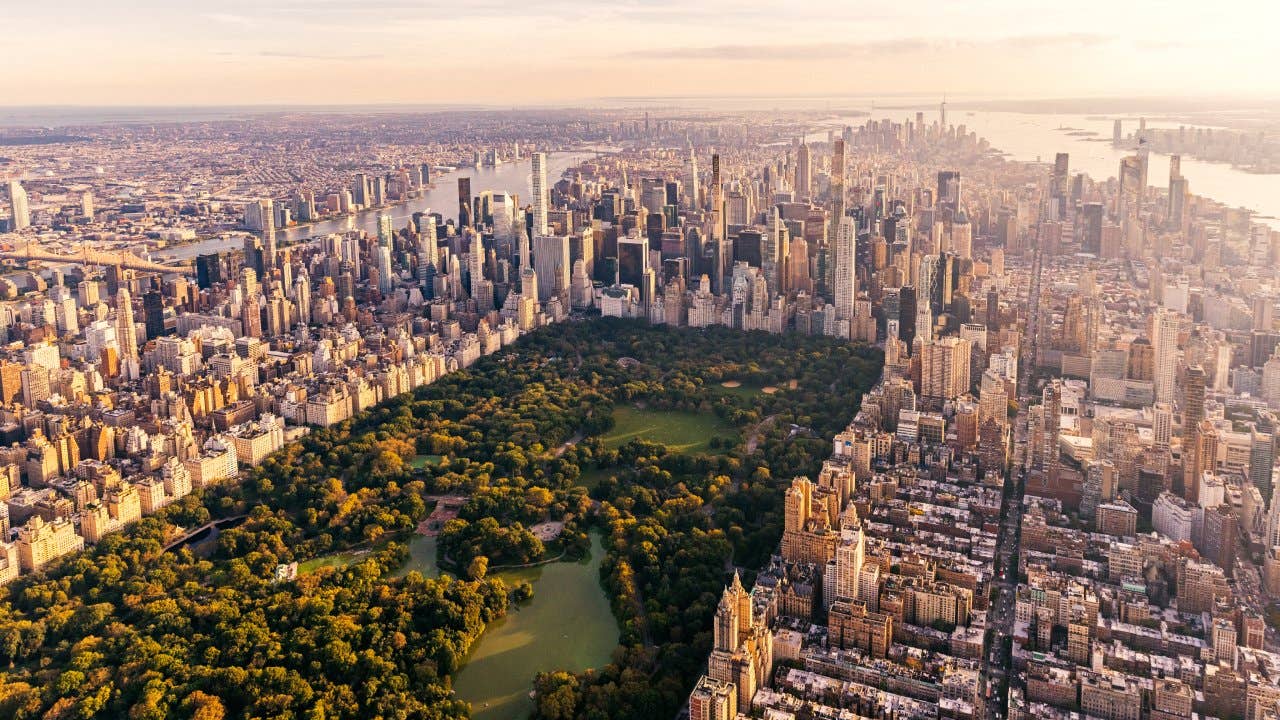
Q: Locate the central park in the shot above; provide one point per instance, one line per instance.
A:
(602, 479)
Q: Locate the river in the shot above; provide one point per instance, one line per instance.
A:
(511, 177)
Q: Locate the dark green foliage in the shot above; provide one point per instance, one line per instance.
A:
(126, 630)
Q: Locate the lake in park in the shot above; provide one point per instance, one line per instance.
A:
(567, 626)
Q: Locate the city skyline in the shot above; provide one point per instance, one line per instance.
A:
(290, 52)
(563, 361)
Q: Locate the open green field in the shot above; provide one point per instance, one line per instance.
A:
(592, 476)
(422, 557)
(327, 561)
(421, 461)
(684, 432)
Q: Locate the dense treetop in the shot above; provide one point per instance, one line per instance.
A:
(127, 630)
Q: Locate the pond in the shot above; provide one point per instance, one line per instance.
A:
(567, 626)
(422, 557)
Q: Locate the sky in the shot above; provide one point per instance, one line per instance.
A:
(549, 52)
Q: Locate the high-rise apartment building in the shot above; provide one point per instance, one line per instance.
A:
(126, 331)
(945, 369)
(539, 187)
(1165, 326)
(40, 542)
(845, 248)
(551, 261)
(19, 206)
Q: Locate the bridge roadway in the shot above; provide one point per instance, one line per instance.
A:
(234, 519)
(96, 257)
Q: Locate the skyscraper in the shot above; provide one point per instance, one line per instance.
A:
(1262, 460)
(19, 205)
(948, 197)
(775, 254)
(360, 190)
(475, 263)
(633, 259)
(551, 262)
(267, 213)
(208, 270)
(1061, 171)
(1193, 385)
(1132, 181)
(804, 171)
(694, 197)
(529, 282)
(837, 177)
(464, 202)
(850, 556)
(251, 317)
(845, 248)
(539, 187)
(945, 369)
(386, 281)
(717, 201)
(153, 313)
(385, 229)
(126, 333)
(825, 262)
(1177, 193)
(1164, 341)
(1091, 232)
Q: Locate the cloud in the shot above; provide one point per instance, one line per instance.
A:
(230, 19)
(298, 55)
(413, 16)
(1163, 45)
(902, 46)
(317, 56)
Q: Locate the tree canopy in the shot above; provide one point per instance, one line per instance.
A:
(125, 629)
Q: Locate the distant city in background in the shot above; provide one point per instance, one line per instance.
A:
(658, 360)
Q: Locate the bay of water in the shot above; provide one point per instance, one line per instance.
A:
(1038, 136)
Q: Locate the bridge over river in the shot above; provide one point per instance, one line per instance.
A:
(88, 256)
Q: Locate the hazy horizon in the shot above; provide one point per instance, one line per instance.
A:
(501, 53)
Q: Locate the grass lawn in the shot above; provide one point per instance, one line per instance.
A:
(684, 432)
(591, 477)
(421, 461)
(422, 557)
(336, 560)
